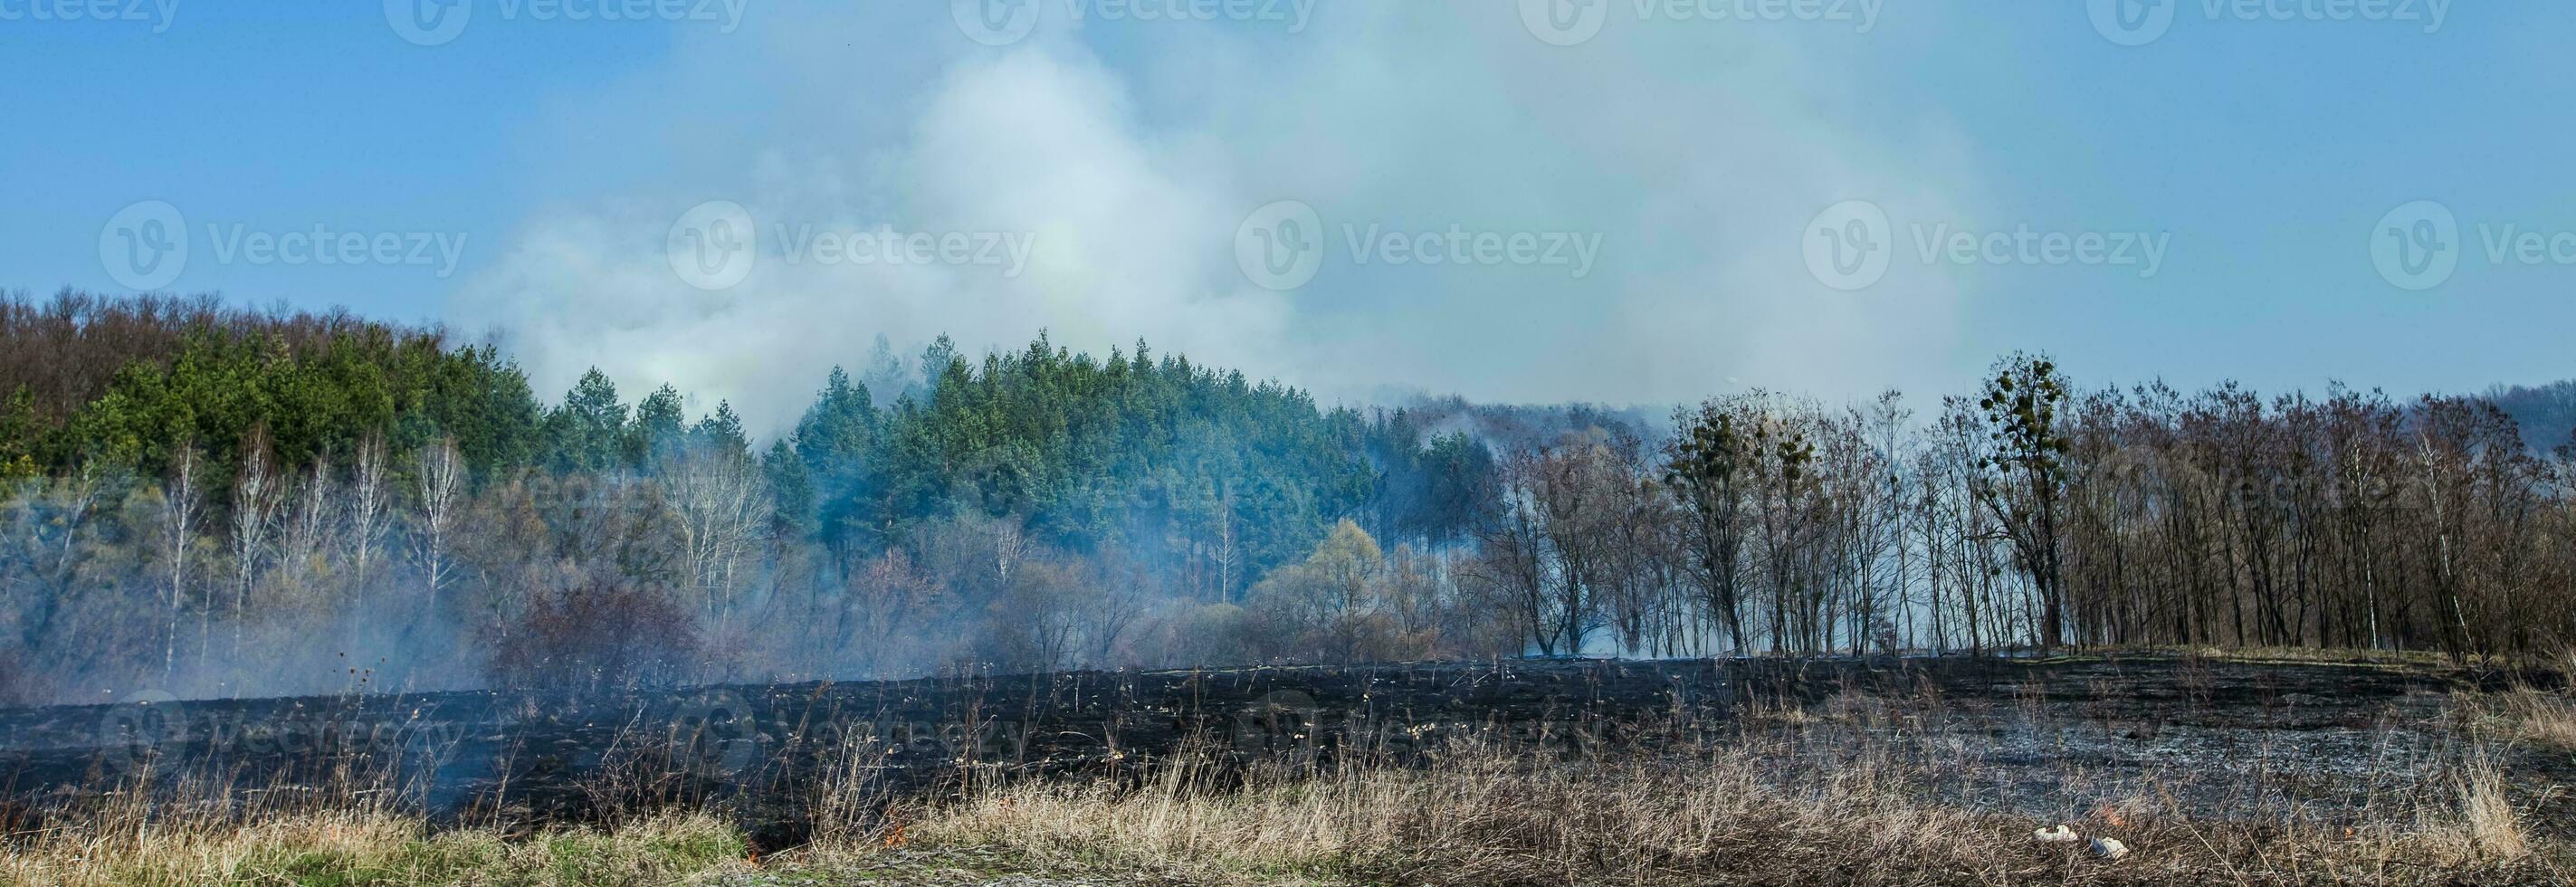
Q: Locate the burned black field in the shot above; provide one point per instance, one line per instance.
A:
(2045, 739)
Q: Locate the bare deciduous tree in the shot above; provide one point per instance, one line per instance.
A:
(440, 486)
(308, 526)
(370, 490)
(255, 494)
(722, 509)
(178, 536)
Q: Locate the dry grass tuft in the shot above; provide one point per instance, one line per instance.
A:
(2541, 718)
(2488, 818)
(361, 846)
(1487, 816)
(1787, 808)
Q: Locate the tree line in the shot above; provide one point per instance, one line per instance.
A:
(2033, 514)
(213, 500)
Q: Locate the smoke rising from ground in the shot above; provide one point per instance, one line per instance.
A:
(1130, 152)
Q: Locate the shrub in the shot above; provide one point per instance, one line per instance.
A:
(593, 638)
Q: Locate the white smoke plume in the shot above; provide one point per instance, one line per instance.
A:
(1124, 155)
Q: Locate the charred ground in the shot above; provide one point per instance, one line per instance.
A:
(2269, 736)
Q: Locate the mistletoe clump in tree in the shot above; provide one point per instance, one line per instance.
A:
(2021, 475)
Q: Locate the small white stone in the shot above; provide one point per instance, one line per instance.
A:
(2109, 848)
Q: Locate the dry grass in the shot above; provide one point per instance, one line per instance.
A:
(1761, 809)
(351, 846)
(2542, 718)
(1857, 789)
(2490, 826)
(1485, 817)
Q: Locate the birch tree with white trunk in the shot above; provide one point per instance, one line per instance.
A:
(178, 515)
(722, 509)
(255, 494)
(369, 514)
(441, 487)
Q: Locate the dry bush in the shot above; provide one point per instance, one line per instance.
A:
(587, 640)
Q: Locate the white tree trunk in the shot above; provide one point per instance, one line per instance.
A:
(441, 484)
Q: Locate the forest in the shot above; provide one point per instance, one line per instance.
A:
(213, 500)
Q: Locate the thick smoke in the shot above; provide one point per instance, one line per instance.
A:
(1128, 153)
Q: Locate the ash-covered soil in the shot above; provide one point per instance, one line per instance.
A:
(2039, 736)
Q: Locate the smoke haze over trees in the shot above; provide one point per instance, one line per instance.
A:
(220, 501)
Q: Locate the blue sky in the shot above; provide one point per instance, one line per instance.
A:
(1695, 147)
